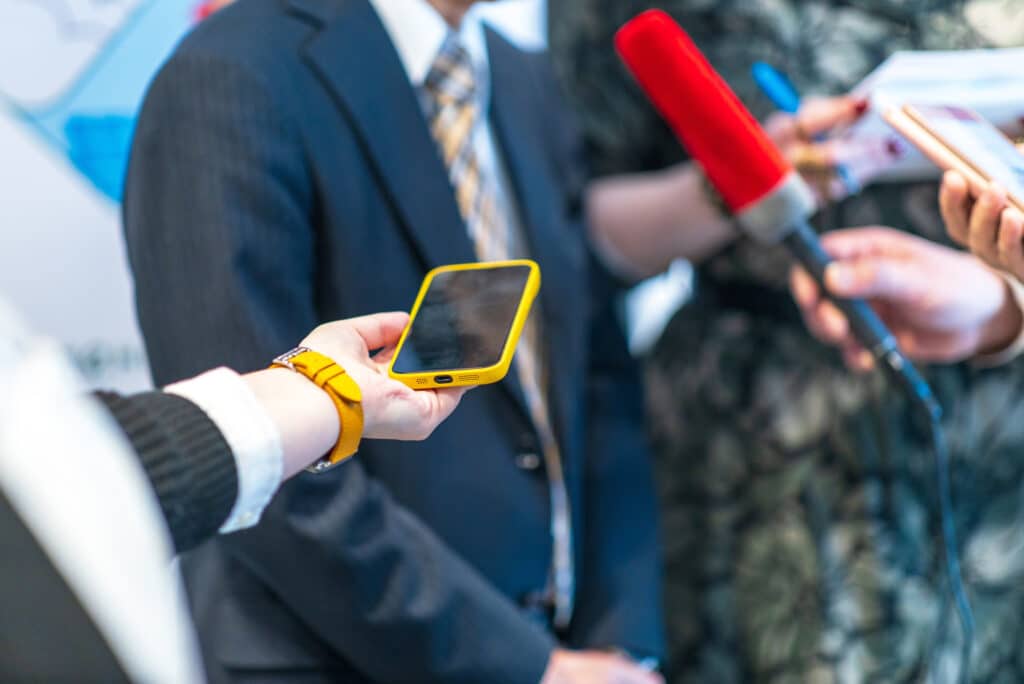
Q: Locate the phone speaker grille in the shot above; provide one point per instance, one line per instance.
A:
(468, 378)
(421, 381)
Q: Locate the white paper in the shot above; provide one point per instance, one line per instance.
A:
(991, 82)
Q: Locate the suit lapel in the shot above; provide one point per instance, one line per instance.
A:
(520, 134)
(354, 57)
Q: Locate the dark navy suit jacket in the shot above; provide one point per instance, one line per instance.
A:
(283, 175)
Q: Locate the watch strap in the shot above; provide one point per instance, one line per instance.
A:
(344, 393)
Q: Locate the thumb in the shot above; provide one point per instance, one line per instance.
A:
(875, 278)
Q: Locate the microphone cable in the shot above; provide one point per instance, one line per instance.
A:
(802, 242)
(930, 415)
(943, 468)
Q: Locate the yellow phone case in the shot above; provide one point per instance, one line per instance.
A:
(462, 377)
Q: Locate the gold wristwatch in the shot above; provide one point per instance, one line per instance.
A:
(343, 391)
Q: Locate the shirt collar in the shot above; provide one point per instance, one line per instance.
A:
(418, 31)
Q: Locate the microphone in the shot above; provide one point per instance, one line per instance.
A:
(769, 200)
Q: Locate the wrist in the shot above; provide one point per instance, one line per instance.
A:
(1005, 326)
(551, 674)
(346, 396)
(710, 196)
(303, 413)
(707, 225)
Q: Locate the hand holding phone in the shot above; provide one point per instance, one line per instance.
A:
(465, 324)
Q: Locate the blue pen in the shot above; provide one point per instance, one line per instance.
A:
(777, 87)
(783, 94)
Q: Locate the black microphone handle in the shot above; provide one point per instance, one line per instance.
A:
(867, 327)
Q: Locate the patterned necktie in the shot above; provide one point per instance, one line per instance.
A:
(452, 108)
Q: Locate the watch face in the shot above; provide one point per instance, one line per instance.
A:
(324, 464)
(286, 358)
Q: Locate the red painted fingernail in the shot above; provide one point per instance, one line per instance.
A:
(894, 147)
(861, 107)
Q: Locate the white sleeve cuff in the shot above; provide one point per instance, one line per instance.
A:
(1016, 348)
(253, 438)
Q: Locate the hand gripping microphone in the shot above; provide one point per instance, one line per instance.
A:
(769, 200)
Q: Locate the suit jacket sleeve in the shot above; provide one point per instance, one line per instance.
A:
(218, 213)
(619, 600)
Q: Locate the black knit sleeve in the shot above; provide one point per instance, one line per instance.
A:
(186, 459)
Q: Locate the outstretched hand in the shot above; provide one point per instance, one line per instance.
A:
(391, 410)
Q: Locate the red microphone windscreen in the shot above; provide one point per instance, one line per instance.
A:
(739, 158)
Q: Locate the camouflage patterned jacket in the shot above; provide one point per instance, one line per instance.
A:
(800, 512)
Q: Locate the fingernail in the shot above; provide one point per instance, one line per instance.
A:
(839, 277)
(894, 147)
(836, 324)
(861, 107)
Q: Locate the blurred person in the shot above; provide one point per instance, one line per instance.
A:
(305, 160)
(96, 493)
(801, 526)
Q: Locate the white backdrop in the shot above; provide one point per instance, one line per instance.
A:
(72, 75)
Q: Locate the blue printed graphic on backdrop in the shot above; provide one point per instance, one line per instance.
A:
(77, 72)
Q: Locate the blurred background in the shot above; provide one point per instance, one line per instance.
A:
(72, 76)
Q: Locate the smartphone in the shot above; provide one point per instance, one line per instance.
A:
(465, 324)
(958, 139)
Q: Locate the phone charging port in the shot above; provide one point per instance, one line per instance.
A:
(443, 379)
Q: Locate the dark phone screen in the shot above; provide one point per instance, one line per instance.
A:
(464, 320)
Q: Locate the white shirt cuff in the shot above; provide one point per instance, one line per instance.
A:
(1016, 348)
(253, 438)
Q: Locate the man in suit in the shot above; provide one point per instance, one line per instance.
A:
(306, 160)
